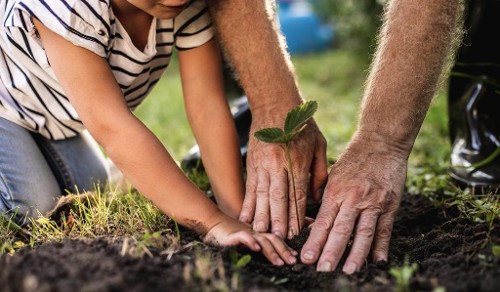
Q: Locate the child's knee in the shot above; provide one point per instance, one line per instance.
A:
(22, 205)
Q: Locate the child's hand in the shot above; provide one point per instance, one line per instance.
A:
(232, 232)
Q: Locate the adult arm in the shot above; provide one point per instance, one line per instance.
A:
(212, 124)
(365, 185)
(142, 158)
(251, 40)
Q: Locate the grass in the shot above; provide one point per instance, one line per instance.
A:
(335, 80)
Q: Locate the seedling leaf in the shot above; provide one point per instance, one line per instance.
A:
(243, 261)
(299, 115)
(270, 135)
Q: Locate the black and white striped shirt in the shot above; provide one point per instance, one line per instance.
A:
(30, 94)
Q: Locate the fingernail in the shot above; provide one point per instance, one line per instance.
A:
(381, 260)
(350, 268)
(292, 260)
(278, 233)
(325, 267)
(295, 253)
(280, 262)
(309, 255)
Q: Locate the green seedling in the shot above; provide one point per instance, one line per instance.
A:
(296, 121)
(243, 262)
(403, 275)
(237, 264)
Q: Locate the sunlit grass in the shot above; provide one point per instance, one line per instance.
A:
(103, 214)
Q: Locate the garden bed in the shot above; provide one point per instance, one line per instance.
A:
(450, 252)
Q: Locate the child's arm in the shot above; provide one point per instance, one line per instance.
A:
(212, 123)
(92, 89)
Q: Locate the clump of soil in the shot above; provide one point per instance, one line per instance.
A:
(451, 252)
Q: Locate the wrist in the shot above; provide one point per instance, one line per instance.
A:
(397, 147)
(272, 113)
(212, 221)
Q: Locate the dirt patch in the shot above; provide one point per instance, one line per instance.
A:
(450, 251)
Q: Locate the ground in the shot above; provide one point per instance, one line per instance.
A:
(450, 251)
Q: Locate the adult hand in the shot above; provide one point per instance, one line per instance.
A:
(269, 200)
(362, 196)
(231, 232)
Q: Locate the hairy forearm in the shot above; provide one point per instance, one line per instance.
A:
(416, 45)
(255, 47)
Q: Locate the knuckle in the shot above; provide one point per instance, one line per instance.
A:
(247, 209)
(379, 249)
(261, 216)
(251, 187)
(301, 195)
(342, 228)
(277, 220)
(262, 193)
(274, 255)
(315, 244)
(366, 231)
(278, 195)
(384, 232)
(323, 224)
(329, 202)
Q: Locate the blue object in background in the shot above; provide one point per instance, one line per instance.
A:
(302, 28)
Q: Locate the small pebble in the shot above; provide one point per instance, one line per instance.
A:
(298, 268)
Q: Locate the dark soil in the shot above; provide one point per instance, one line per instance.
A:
(451, 252)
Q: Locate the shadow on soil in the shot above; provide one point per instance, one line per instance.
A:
(451, 252)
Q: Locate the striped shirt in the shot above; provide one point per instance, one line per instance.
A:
(30, 94)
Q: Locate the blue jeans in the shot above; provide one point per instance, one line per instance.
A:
(35, 171)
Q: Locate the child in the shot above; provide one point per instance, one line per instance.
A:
(67, 65)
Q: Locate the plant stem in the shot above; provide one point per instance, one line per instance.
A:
(290, 165)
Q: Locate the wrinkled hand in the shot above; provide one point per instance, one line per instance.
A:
(361, 198)
(269, 196)
(231, 232)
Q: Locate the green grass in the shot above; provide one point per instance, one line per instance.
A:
(335, 79)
